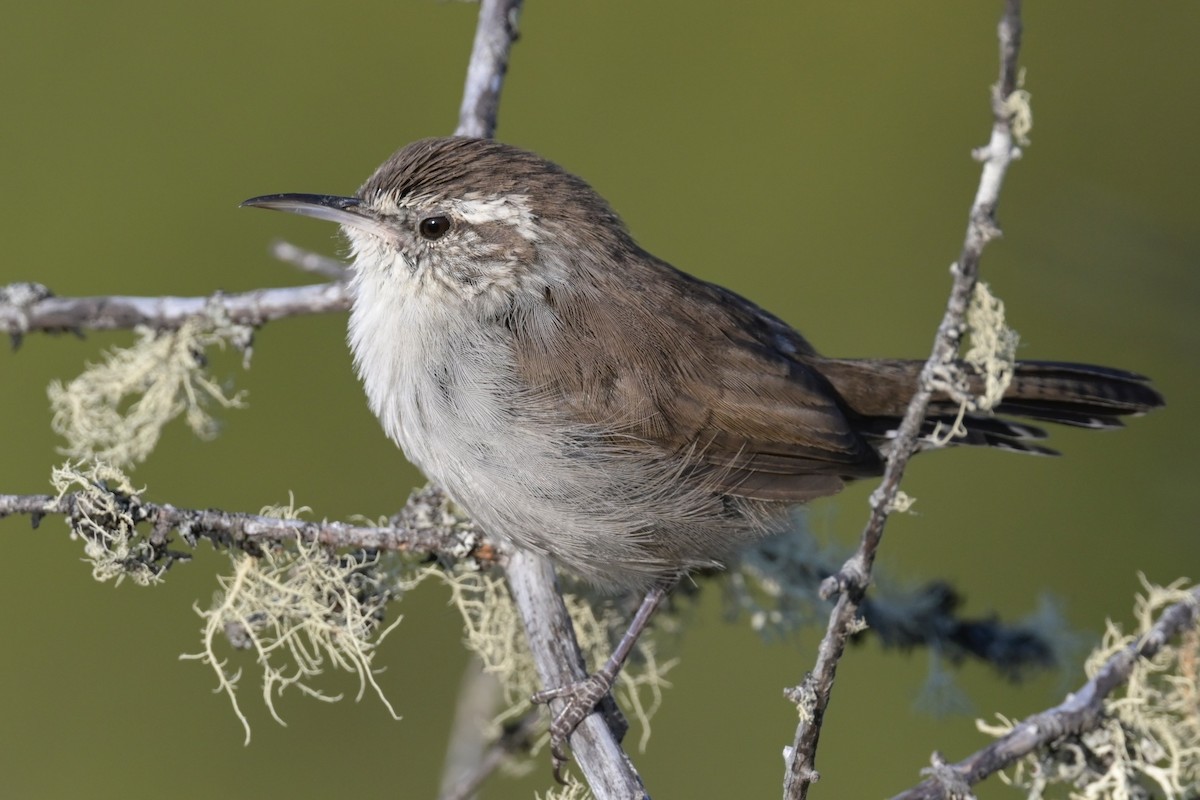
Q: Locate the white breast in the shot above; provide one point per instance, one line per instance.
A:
(445, 389)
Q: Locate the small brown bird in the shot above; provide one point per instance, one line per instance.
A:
(587, 400)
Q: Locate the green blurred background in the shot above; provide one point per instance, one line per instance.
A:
(815, 157)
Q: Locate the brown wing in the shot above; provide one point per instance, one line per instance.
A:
(703, 376)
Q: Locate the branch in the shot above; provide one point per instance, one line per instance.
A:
(559, 662)
(417, 529)
(308, 261)
(28, 307)
(812, 696)
(513, 740)
(776, 585)
(1082, 711)
(929, 617)
(494, 37)
(470, 757)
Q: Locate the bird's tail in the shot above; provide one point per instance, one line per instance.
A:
(1080, 395)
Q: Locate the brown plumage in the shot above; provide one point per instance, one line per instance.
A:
(588, 400)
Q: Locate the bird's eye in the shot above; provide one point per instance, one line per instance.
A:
(434, 227)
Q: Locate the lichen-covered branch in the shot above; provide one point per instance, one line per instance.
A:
(1082, 711)
(423, 527)
(850, 584)
(302, 610)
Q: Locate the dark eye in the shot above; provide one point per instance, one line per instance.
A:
(434, 227)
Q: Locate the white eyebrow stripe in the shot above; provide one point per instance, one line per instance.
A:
(512, 209)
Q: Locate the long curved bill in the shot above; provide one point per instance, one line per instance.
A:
(348, 211)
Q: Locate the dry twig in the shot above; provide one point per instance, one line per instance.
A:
(850, 584)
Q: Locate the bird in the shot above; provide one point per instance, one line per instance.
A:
(584, 399)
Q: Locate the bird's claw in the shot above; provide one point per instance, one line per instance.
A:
(580, 699)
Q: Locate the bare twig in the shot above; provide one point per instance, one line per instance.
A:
(1080, 712)
(469, 758)
(559, 662)
(494, 37)
(308, 261)
(812, 696)
(514, 739)
(114, 312)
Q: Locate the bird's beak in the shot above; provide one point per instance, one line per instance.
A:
(347, 211)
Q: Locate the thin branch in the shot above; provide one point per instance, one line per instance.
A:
(1080, 712)
(559, 662)
(309, 261)
(513, 740)
(494, 37)
(408, 533)
(470, 758)
(777, 584)
(41, 311)
(812, 696)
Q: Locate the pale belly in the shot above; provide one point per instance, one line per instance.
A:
(506, 453)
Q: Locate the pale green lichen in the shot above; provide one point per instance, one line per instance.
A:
(105, 514)
(494, 633)
(115, 410)
(993, 350)
(573, 790)
(991, 357)
(1019, 107)
(1148, 743)
(301, 609)
(901, 503)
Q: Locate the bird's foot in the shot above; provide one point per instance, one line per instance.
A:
(581, 698)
